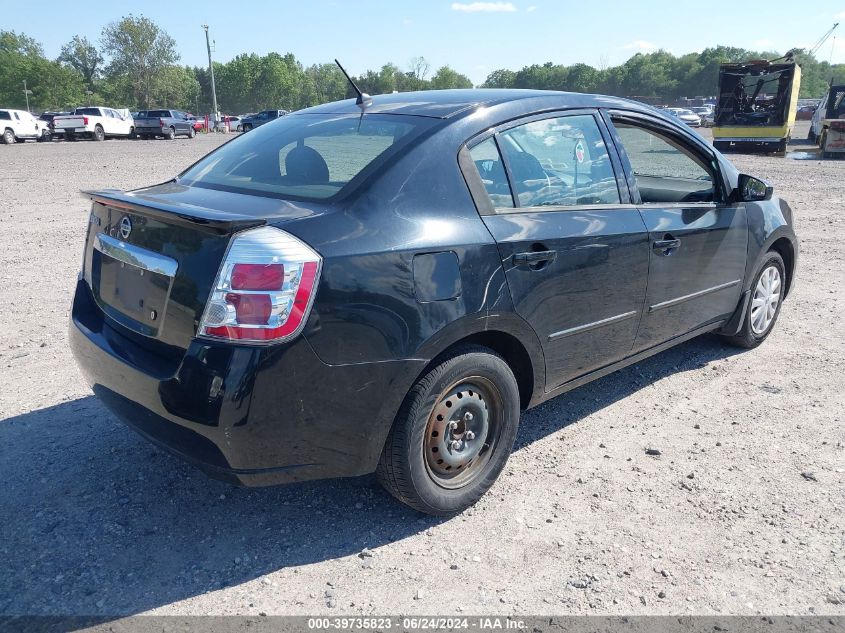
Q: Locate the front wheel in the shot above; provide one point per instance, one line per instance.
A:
(767, 292)
(247, 127)
(453, 434)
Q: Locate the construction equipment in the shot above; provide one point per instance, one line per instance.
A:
(758, 101)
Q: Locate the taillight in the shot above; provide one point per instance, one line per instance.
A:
(264, 290)
(85, 120)
(161, 122)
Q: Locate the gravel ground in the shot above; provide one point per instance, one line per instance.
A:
(743, 511)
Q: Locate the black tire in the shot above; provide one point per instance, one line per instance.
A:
(46, 135)
(170, 134)
(476, 379)
(247, 127)
(747, 337)
(191, 132)
(99, 133)
(8, 136)
(132, 134)
(69, 136)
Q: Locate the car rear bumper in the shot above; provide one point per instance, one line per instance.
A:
(249, 415)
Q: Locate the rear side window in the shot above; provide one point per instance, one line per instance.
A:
(488, 161)
(559, 162)
(4, 116)
(666, 171)
(305, 156)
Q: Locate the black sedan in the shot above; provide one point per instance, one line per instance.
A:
(385, 285)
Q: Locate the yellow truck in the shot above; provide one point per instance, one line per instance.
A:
(757, 104)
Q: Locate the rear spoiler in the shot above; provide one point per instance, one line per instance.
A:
(213, 220)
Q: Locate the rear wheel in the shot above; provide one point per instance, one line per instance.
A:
(763, 309)
(453, 434)
(191, 132)
(8, 137)
(132, 134)
(99, 133)
(170, 134)
(247, 127)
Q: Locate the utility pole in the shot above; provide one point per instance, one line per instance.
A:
(211, 71)
(26, 94)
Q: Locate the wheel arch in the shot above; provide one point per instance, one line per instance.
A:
(508, 335)
(784, 247)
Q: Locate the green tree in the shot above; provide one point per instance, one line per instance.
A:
(445, 78)
(53, 85)
(176, 87)
(502, 78)
(84, 57)
(325, 83)
(138, 49)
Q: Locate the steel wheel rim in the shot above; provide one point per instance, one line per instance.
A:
(457, 447)
(765, 301)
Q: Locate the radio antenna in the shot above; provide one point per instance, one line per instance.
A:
(364, 100)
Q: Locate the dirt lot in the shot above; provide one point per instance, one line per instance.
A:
(743, 511)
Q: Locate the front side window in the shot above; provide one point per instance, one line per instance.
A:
(305, 156)
(559, 162)
(666, 170)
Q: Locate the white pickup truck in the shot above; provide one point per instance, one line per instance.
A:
(95, 123)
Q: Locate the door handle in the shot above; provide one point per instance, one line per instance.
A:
(667, 246)
(534, 257)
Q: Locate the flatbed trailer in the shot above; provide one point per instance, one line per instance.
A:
(758, 102)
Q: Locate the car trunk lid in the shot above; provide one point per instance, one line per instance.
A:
(152, 256)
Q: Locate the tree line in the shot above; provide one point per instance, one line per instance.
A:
(135, 64)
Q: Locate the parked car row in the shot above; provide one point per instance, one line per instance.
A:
(100, 123)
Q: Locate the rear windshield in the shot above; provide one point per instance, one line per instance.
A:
(88, 111)
(305, 156)
(154, 114)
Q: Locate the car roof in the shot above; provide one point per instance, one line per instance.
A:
(443, 104)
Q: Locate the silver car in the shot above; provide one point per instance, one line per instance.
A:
(687, 116)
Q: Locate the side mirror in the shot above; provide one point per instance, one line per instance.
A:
(751, 189)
